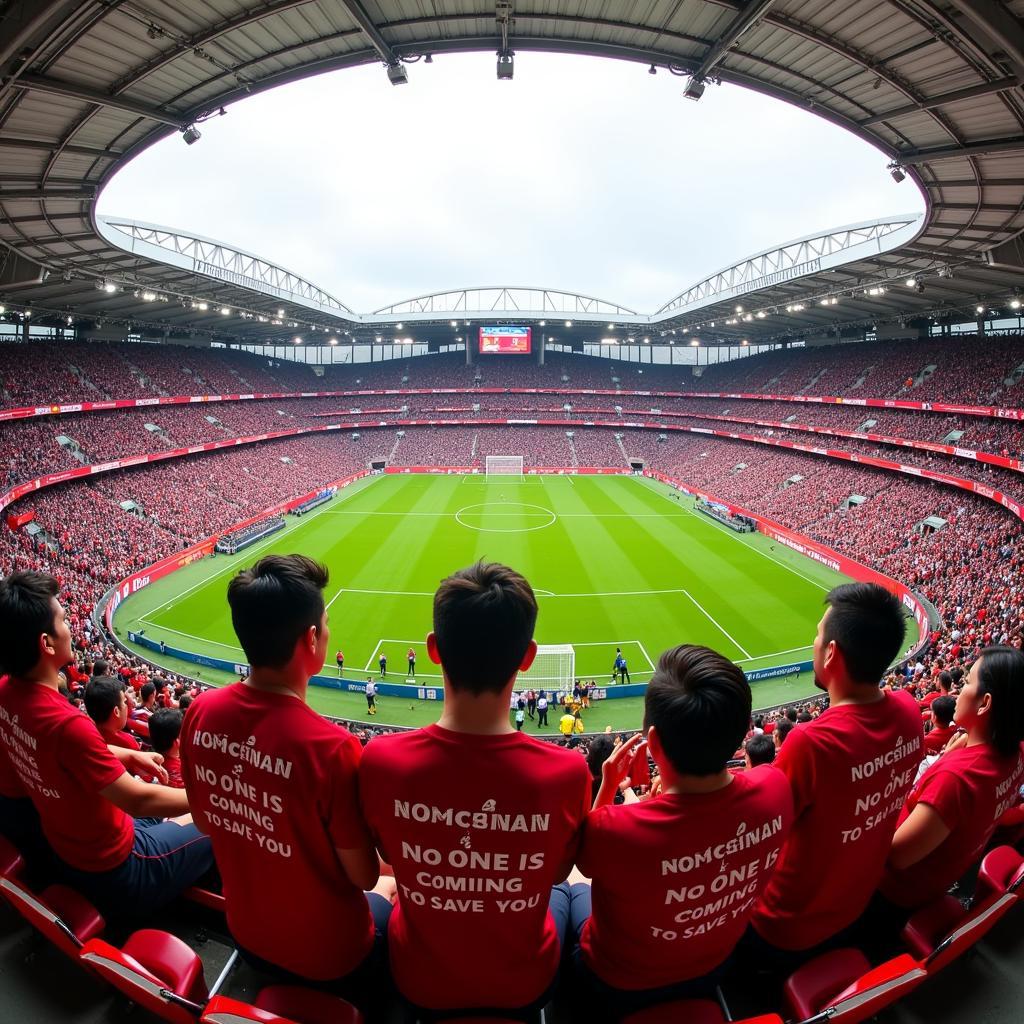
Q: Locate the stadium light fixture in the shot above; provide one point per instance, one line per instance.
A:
(397, 74)
(744, 342)
(1015, 302)
(652, 70)
(3, 309)
(506, 67)
(27, 314)
(760, 315)
(897, 172)
(202, 306)
(647, 341)
(109, 287)
(542, 323)
(454, 323)
(695, 343)
(398, 327)
(568, 323)
(378, 339)
(333, 341)
(191, 135)
(979, 309)
(149, 296)
(911, 282)
(297, 340)
(694, 89)
(739, 309)
(225, 311)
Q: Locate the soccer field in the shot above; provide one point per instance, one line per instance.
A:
(615, 562)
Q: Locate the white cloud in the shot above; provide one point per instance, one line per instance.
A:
(582, 174)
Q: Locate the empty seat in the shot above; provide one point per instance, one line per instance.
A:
(940, 932)
(283, 1004)
(154, 969)
(61, 915)
(1002, 871)
(847, 986)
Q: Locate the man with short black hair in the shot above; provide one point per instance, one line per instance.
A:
(646, 930)
(147, 698)
(164, 734)
(107, 705)
(85, 798)
(759, 750)
(850, 771)
(275, 785)
(942, 730)
(479, 821)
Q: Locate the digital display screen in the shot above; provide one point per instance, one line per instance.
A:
(505, 340)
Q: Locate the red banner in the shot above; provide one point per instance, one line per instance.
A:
(16, 522)
(59, 409)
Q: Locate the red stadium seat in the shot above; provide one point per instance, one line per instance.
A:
(940, 932)
(283, 1004)
(11, 861)
(843, 983)
(691, 1011)
(205, 898)
(1002, 871)
(154, 969)
(60, 914)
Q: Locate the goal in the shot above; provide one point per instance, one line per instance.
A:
(504, 465)
(554, 668)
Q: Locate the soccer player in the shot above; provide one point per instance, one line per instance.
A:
(371, 696)
(479, 821)
(275, 784)
(951, 814)
(659, 924)
(340, 660)
(542, 709)
(846, 806)
(86, 799)
(383, 662)
(410, 657)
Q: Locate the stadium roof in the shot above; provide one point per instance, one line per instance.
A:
(936, 87)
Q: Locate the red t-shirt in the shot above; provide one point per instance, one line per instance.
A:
(63, 764)
(174, 777)
(274, 786)
(936, 740)
(477, 829)
(121, 739)
(850, 771)
(676, 878)
(969, 789)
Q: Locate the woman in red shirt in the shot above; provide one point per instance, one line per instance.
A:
(950, 815)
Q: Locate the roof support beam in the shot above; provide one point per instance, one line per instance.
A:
(47, 194)
(745, 19)
(370, 30)
(996, 21)
(971, 92)
(69, 90)
(992, 146)
(45, 146)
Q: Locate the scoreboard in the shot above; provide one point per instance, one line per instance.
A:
(505, 340)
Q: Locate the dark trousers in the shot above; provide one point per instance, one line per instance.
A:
(542, 716)
(165, 859)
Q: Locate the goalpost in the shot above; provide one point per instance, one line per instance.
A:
(554, 668)
(504, 465)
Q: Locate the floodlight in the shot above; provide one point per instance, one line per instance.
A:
(979, 309)
(652, 70)
(694, 89)
(191, 135)
(897, 172)
(568, 323)
(397, 75)
(506, 67)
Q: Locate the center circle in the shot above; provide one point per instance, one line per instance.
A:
(539, 512)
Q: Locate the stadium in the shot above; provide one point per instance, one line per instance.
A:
(840, 408)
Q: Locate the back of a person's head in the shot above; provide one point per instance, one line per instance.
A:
(164, 728)
(804, 717)
(957, 673)
(760, 750)
(783, 729)
(26, 612)
(484, 617)
(1001, 675)
(790, 714)
(100, 668)
(147, 691)
(867, 624)
(699, 703)
(943, 709)
(102, 696)
(599, 752)
(184, 701)
(945, 682)
(273, 604)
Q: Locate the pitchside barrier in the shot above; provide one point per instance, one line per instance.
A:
(422, 692)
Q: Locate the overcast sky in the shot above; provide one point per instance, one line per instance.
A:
(586, 175)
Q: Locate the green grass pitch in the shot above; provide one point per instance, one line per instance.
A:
(615, 561)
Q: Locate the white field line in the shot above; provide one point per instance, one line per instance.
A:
(366, 668)
(718, 625)
(178, 632)
(777, 654)
(736, 536)
(525, 515)
(537, 591)
(234, 565)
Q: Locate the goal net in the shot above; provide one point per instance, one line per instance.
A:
(504, 465)
(554, 668)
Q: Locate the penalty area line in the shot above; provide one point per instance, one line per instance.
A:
(718, 625)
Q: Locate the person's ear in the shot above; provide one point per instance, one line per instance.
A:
(531, 653)
(654, 745)
(432, 652)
